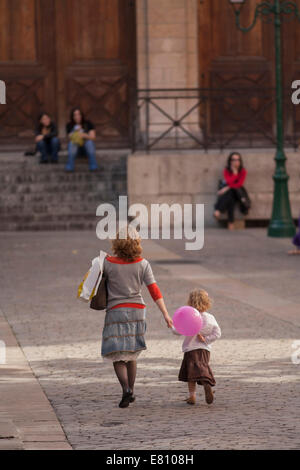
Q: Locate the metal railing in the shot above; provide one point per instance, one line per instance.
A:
(167, 119)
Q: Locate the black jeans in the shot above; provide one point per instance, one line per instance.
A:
(226, 203)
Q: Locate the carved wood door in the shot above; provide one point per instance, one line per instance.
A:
(97, 68)
(239, 64)
(27, 65)
(57, 54)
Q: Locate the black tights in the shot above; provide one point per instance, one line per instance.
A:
(126, 373)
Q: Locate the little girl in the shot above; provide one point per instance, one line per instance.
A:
(195, 365)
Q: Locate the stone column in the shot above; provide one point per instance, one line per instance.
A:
(167, 52)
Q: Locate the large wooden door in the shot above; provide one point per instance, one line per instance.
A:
(291, 71)
(27, 65)
(97, 68)
(238, 64)
(57, 54)
(242, 65)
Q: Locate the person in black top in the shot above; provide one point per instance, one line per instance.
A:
(46, 139)
(82, 135)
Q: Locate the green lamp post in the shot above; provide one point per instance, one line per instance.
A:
(281, 224)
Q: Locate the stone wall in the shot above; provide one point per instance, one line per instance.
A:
(192, 177)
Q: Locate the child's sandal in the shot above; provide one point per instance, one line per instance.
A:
(209, 394)
(191, 401)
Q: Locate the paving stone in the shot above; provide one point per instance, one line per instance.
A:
(257, 393)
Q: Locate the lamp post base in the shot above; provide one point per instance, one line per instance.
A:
(281, 229)
(281, 224)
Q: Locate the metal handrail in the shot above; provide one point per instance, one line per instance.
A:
(217, 123)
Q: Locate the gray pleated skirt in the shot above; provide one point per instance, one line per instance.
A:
(123, 336)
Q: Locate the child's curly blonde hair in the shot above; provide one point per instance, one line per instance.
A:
(200, 300)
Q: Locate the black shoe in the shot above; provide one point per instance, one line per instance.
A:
(43, 162)
(124, 403)
(132, 398)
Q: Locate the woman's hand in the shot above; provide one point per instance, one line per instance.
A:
(168, 321)
(39, 138)
(223, 190)
(162, 307)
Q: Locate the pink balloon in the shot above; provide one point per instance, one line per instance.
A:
(187, 321)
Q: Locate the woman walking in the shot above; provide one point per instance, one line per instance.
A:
(123, 337)
(232, 191)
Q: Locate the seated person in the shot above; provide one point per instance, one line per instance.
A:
(232, 189)
(82, 135)
(46, 139)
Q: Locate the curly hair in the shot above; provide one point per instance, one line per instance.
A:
(200, 300)
(127, 244)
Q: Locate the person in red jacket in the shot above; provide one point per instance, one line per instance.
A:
(234, 177)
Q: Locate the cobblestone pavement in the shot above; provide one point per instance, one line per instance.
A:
(255, 287)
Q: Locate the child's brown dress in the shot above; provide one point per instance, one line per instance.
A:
(195, 368)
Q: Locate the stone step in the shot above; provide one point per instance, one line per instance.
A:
(83, 188)
(39, 209)
(45, 197)
(53, 198)
(11, 159)
(43, 177)
(19, 221)
(35, 198)
(61, 225)
(53, 188)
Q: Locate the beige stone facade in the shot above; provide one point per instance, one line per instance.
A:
(167, 43)
(192, 177)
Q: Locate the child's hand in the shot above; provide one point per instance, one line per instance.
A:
(201, 338)
(169, 321)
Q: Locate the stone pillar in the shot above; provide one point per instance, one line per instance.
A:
(167, 52)
(167, 34)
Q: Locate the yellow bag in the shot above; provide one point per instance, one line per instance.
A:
(77, 139)
(80, 287)
(89, 286)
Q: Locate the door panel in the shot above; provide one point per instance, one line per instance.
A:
(26, 65)
(57, 54)
(93, 72)
(238, 64)
(291, 70)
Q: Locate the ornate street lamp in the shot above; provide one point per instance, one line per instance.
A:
(281, 224)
